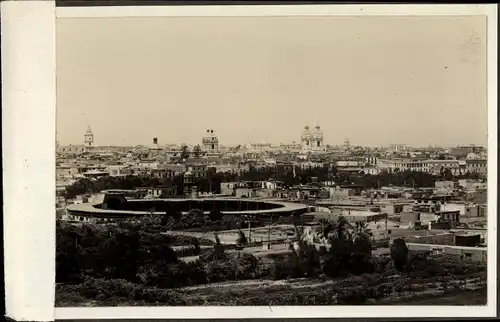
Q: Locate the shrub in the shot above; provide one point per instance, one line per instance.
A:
(218, 271)
(399, 254)
(353, 296)
(279, 269)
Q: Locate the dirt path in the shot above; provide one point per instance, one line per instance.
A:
(431, 289)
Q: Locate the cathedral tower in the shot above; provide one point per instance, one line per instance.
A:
(89, 137)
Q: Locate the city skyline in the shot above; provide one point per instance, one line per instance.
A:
(263, 79)
(273, 144)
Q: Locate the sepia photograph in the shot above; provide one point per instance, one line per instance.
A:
(267, 160)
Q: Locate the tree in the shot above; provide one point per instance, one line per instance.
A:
(327, 227)
(197, 151)
(84, 185)
(399, 254)
(306, 258)
(167, 221)
(437, 206)
(362, 247)
(338, 259)
(215, 215)
(217, 252)
(195, 218)
(196, 245)
(151, 222)
(448, 175)
(184, 152)
(341, 229)
(361, 231)
(67, 264)
(246, 266)
(242, 239)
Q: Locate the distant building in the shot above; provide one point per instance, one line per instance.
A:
(372, 170)
(259, 147)
(210, 144)
(73, 149)
(119, 170)
(168, 171)
(478, 166)
(312, 141)
(398, 147)
(294, 147)
(463, 151)
(468, 240)
(197, 167)
(89, 137)
(371, 160)
(467, 184)
(446, 185)
(448, 216)
(409, 217)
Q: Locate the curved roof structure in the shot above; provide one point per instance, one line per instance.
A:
(210, 137)
(230, 206)
(306, 134)
(317, 132)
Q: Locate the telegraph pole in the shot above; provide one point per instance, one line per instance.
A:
(269, 236)
(249, 231)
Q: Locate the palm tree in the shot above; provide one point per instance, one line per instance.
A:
(342, 229)
(360, 230)
(362, 242)
(218, 250)
(306, 255)
(242, 239)
(327, 227)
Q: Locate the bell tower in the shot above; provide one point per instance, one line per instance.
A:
(89, 137)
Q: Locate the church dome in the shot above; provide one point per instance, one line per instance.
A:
(317, 132)
(210, 138)
(306, 134)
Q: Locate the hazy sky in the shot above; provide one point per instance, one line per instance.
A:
(374, 80)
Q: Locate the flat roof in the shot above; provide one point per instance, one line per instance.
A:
(450, 246)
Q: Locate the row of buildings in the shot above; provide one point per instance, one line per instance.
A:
(373, 165)
(311, 142)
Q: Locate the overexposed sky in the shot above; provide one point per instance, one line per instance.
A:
(374, 80)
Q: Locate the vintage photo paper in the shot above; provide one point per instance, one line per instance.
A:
(247, 161)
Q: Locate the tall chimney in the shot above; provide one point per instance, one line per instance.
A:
(155, 140)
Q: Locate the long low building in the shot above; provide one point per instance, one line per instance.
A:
(478, 254)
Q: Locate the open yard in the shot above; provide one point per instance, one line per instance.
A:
(278, 232)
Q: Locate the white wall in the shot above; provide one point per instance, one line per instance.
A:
(454, 207)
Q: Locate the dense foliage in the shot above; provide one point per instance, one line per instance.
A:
(131, 262)
(85, 185)
(212, 181)
(399, 254)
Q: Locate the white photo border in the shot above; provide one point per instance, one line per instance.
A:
(29, 100)
(28, 138)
